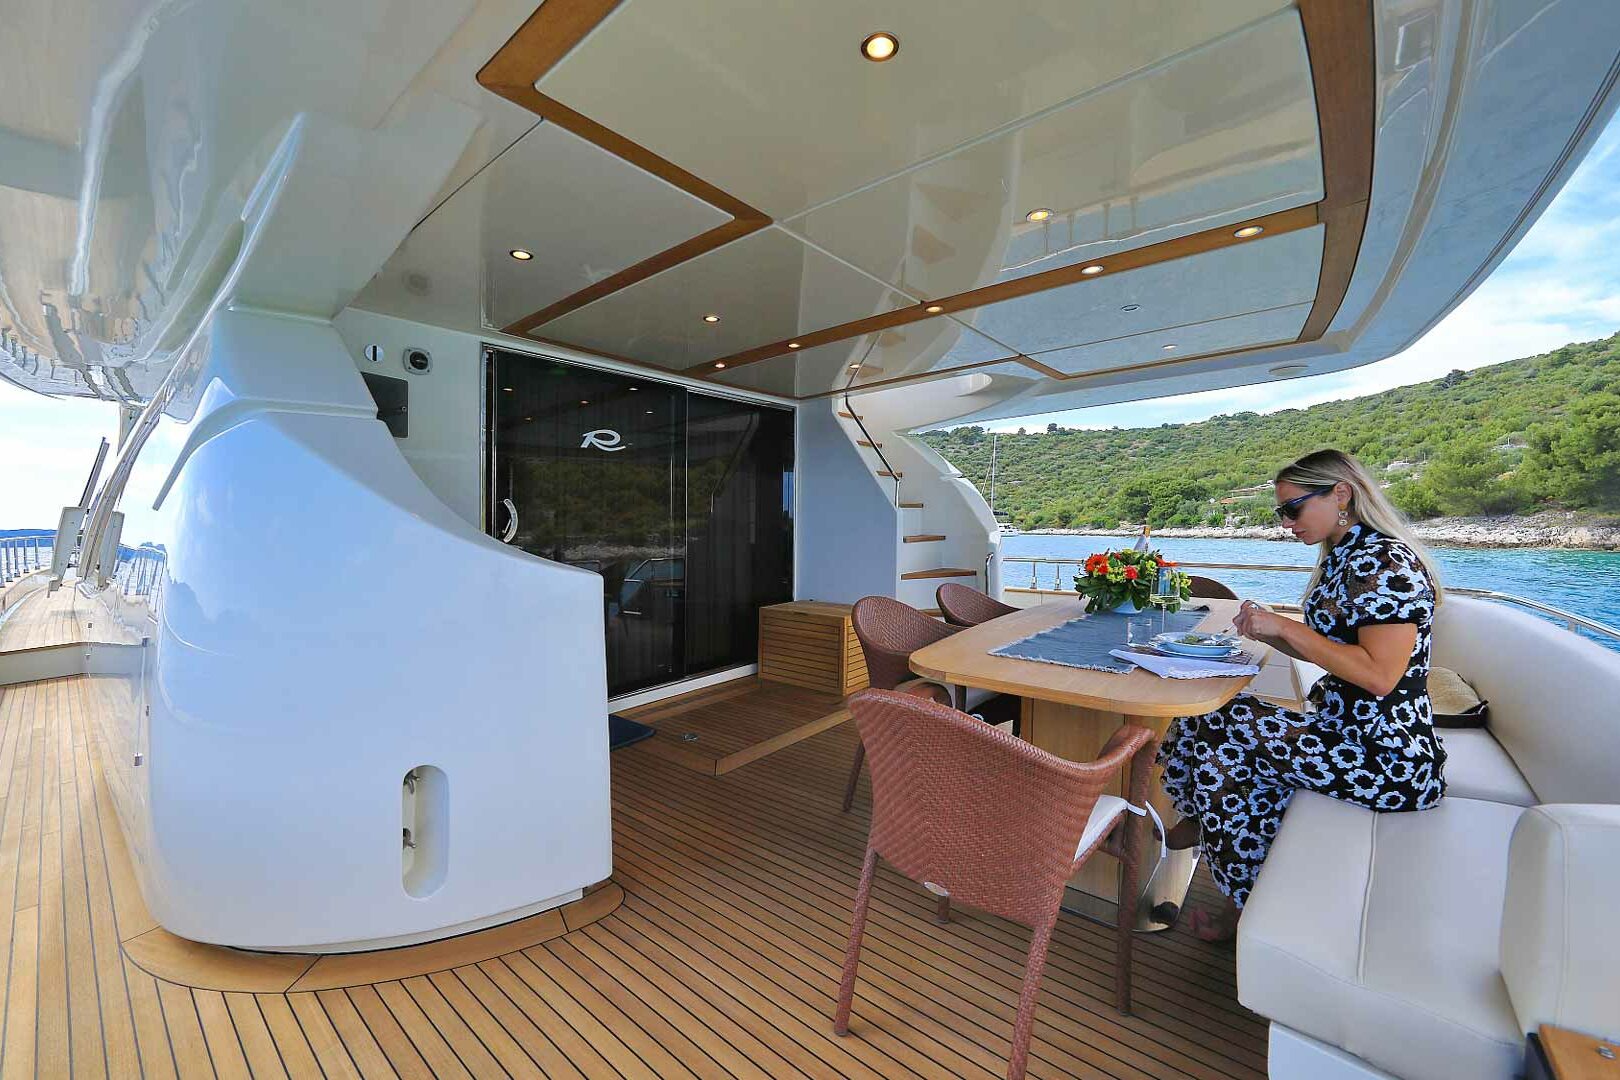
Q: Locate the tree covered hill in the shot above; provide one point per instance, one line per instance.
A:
(1530, 434)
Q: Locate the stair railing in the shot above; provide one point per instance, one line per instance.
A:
(854, 370)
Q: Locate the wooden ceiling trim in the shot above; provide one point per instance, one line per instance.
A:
(1274, 224)
(1339, 44)
(539, 45)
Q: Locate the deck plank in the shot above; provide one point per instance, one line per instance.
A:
(723, 960)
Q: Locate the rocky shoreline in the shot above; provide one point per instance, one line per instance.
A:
(1550, 529)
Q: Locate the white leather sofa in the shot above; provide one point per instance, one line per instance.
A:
(1424, 946)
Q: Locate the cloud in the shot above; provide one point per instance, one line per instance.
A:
(47, 446)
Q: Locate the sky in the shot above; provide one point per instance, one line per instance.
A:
(1561, 284)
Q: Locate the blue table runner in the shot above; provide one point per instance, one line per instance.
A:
(1086, 641)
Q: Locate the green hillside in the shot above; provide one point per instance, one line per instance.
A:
(1537, 433)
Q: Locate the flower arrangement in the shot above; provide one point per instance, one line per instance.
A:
(1111, 578)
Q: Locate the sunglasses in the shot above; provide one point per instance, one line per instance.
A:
(1290, 510)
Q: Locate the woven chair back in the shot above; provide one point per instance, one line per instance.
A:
(889, 632)
(1207, 588)
(959, 804)
(963, 606)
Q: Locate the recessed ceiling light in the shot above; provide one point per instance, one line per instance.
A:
(793, 345)
(635, 388)
(880, 46)
(719, 364)
(1091, 270)
(934, 309)
(1169, 348)
(1289, 369)
(649, 412)
(584, 403)
(1040, 213)
(711, 318)
(1248, 231)
(520, 255)
(508, 389)
(528, 419)
(1131, 307)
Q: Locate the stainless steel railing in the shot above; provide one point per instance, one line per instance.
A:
(21, 555)
(1569, 619)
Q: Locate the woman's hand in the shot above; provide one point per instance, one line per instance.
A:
(1257, 623)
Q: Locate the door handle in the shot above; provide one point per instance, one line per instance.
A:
(512, 525)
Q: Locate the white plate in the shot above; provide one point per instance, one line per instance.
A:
(1170, 644)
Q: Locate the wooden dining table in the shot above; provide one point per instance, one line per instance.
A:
(1072, 712)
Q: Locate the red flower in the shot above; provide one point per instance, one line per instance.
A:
(1130, 573)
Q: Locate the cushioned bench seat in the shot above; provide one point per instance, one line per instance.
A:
(1478, 768)
(1426, 944)
(1378, 933)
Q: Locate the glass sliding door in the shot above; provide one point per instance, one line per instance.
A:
(680, 501)
(739, 525)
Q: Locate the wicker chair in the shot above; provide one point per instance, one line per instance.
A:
(963, 606)
(987, 820)
(889, 632)
(1207, 588)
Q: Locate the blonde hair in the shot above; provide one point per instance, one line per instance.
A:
(1324, 469)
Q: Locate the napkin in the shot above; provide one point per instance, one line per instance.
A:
(1178, 667)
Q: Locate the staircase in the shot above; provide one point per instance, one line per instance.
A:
(940, 538)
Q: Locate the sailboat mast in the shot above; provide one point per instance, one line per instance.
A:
(995, 439)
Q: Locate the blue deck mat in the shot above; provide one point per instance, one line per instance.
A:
(1086, 641)
(622, 732)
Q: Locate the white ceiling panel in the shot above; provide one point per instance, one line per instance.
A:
(1258, 275)
(1220, 134)
(1217, 335)
(918, 348)
(584, 214)
(774, 103)
(765, 287)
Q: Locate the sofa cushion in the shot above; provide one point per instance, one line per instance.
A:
(1559, 950)
(1552, 695)
(1377, 933)
(1478, 768)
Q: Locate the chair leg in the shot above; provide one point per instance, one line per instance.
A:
(1125, 930)
(854, 776)
(942, 913)
(852, 956)
(1033, 970)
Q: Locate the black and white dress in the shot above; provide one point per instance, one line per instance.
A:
(1236, 769)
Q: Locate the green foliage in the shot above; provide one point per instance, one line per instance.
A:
(1538, 432)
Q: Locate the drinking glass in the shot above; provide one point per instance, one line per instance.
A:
(1164, 594)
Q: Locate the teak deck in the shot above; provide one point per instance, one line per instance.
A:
(722, 960)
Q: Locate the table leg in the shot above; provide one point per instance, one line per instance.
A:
(1078, 734)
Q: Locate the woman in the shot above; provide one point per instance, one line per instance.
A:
(1367, 736)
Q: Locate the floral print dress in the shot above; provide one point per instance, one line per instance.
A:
(1236, 769)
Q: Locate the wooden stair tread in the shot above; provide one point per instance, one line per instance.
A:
(890, 474)
(911, 506)
(869, 443)
(848, 416)
(923, 538)
(941, 572)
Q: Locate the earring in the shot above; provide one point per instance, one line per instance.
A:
(1344, 517)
